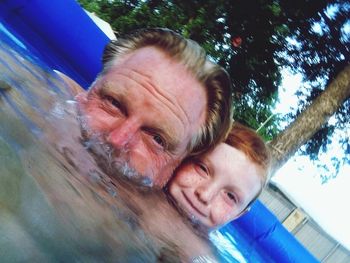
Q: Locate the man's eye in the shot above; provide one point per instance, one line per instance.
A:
(159, 140)
(113, 101)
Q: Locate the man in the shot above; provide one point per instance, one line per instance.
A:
(157, 100)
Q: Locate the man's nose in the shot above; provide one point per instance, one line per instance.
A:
(205, 193)
(123, 134)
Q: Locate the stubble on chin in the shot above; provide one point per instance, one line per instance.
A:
(114, 162)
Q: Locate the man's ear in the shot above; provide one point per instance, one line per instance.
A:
(74, 87)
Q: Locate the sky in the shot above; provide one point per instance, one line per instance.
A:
(299, 178)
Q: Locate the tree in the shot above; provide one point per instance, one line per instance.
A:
(310, 120)
(319, 49)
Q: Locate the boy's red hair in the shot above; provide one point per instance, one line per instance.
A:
(252, 145)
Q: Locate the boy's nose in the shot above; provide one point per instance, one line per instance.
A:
(205, 193)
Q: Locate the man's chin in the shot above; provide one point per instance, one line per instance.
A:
(115, 164)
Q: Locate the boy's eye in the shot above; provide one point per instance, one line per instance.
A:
(231, 196)
(203, 167)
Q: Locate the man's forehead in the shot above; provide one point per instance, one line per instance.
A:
(144, 58)
(172, 80)
(167, 72)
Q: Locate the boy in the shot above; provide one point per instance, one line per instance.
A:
(220, 185)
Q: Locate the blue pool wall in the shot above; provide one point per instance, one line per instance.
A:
(69, 40)
(263, 232)
(66, 39)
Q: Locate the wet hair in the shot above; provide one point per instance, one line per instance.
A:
(213, 78)
(253, 146)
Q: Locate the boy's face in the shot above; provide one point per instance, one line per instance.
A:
(217, 187)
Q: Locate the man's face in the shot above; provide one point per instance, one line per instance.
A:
(146, 108)
(216, 188)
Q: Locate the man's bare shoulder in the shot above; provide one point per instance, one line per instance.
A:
(73, 86)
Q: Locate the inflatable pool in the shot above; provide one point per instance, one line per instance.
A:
(63, 36)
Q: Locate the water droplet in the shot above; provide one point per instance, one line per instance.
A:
(94, 176)
(147, 182)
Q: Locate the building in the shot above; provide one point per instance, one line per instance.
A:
(303, 227)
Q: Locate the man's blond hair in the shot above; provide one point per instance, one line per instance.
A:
(214, 78)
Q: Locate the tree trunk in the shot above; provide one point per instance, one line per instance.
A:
(310, 120)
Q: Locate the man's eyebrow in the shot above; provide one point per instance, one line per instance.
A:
(107, 86)
(107, 90)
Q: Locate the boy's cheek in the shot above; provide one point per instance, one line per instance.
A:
(187, 179)
(222, 215)
(175, 191)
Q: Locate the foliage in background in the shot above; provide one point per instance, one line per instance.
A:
(319, 49)
(253, 40)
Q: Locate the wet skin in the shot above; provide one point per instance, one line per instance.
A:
(216, 188)
(147, 107)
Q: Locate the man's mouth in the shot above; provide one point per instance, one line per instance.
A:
(114, 162)
(193, 207)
